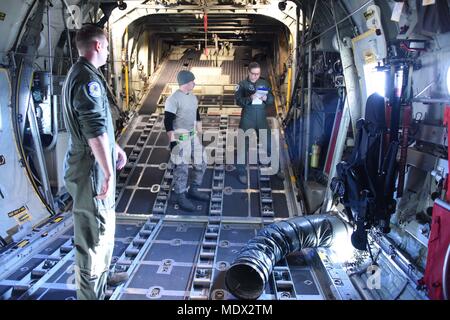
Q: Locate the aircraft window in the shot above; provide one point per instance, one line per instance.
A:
(375, 80)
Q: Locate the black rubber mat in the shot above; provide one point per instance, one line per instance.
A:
(235, 204)
(147, 276)
(255, 205)
(254, 179)
(158, 156)
(207, 179)
(178, 253)
(279, 205)
(25, 269)
(122, 204)
(3, 289)
(152, 139)
(142, 202)
(276, 183)
(227, 254)
(53, 246)
(119, 248)
(135, 176)
(185, 232)
(69, 232)
(127, 230)
(63, 274)
(163, 140)
(128, 150)
(303, 281)
(54, 294)
(133, 138)
(150, 177)
(144, 156)
(150, 102)
(237, 233)
(231, 180)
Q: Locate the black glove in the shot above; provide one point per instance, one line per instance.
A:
(172, 145)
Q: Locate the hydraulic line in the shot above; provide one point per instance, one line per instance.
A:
(248, 274)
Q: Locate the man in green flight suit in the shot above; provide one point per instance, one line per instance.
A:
(90, 163)
(254, 95)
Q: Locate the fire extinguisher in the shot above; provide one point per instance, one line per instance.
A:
(315, 155)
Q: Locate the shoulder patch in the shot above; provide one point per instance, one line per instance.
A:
(236, 88)
(94, 89)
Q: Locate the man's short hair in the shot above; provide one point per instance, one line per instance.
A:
(87, 35)
(253, 65)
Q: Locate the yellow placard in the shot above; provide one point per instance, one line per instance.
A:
(17, 211)
(23, 243)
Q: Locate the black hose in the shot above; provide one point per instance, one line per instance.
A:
(249, 273)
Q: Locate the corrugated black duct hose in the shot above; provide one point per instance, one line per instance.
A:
(249, 273)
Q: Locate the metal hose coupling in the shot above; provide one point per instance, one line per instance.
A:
(248, 274)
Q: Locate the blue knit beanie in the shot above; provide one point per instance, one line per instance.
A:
(184, 77)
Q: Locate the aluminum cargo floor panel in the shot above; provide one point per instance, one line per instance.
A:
(280, 205)
(237, 232)
(124, 199)
(202, 208)
(207, 179)
(25, 269)
(53, 294)
(54, 245)
(124, 230)
(150, 177)
(235, 204)
(135, 176)
(231, 180)
(183, 231)
(142, 202)
(172, 251)
(148, 276)
(144, 156)
(158, 156)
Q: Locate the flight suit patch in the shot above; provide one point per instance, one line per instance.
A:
(236, 88)
(94, 89)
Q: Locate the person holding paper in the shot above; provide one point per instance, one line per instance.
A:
(253, 95)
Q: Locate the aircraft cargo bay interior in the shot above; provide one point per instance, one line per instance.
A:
(224, 150)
